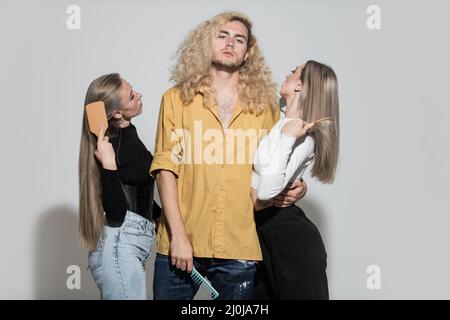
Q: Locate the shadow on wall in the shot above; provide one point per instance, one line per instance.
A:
(57, 246)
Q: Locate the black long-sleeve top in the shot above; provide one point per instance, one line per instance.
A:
(133, 164)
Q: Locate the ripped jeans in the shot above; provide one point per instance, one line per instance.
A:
(233, 279)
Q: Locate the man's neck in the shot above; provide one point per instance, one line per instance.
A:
(224, 81)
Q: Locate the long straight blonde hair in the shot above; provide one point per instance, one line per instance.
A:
(319, 99)
(91, 220)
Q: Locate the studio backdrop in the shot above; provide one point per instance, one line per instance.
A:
(384, 221)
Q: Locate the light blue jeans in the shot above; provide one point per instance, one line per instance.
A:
(117, 264)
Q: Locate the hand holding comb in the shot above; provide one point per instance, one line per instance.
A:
(200, 280)
(298, 128)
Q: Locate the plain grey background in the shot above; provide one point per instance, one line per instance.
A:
(388, 206)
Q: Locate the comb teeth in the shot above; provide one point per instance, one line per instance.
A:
(214, 295)
(199, 280)
(196, 278)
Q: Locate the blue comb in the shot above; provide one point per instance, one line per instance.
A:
(199, 280)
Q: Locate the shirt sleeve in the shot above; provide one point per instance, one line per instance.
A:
(277, 160)
(168, 149)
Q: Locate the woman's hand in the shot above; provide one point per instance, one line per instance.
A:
(105, 151)
(296, 128)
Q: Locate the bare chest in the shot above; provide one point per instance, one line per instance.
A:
(226, 105)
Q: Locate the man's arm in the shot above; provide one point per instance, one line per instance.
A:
(180, 245)
(165, 171)
(293, 192)
(257, 203)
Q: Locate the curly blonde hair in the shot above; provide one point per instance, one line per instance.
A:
(191, 73)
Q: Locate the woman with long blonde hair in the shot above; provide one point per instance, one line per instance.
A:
(294, 265)
(116, 193)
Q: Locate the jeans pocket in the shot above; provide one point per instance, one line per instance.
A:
(132, 228)
(95, 259)
(136, 240)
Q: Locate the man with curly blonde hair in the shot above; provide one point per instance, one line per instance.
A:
(209, 125)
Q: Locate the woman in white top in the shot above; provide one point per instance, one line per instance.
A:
(294, 265)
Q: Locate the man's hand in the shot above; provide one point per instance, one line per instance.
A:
(291, 194)
(181, 252)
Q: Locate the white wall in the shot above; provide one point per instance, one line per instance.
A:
(388, 206)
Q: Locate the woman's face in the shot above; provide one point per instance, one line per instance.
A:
(292, 83)
(131, 101)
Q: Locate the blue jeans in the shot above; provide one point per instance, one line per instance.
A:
(233, 279)
(117, 264)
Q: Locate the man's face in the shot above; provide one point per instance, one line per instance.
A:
(230, 45)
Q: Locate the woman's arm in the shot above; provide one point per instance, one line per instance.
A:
(113, 199)
(278, 159)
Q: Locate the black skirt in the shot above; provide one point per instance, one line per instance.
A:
(295, 260)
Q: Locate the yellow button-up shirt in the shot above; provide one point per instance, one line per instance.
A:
(213, 166)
